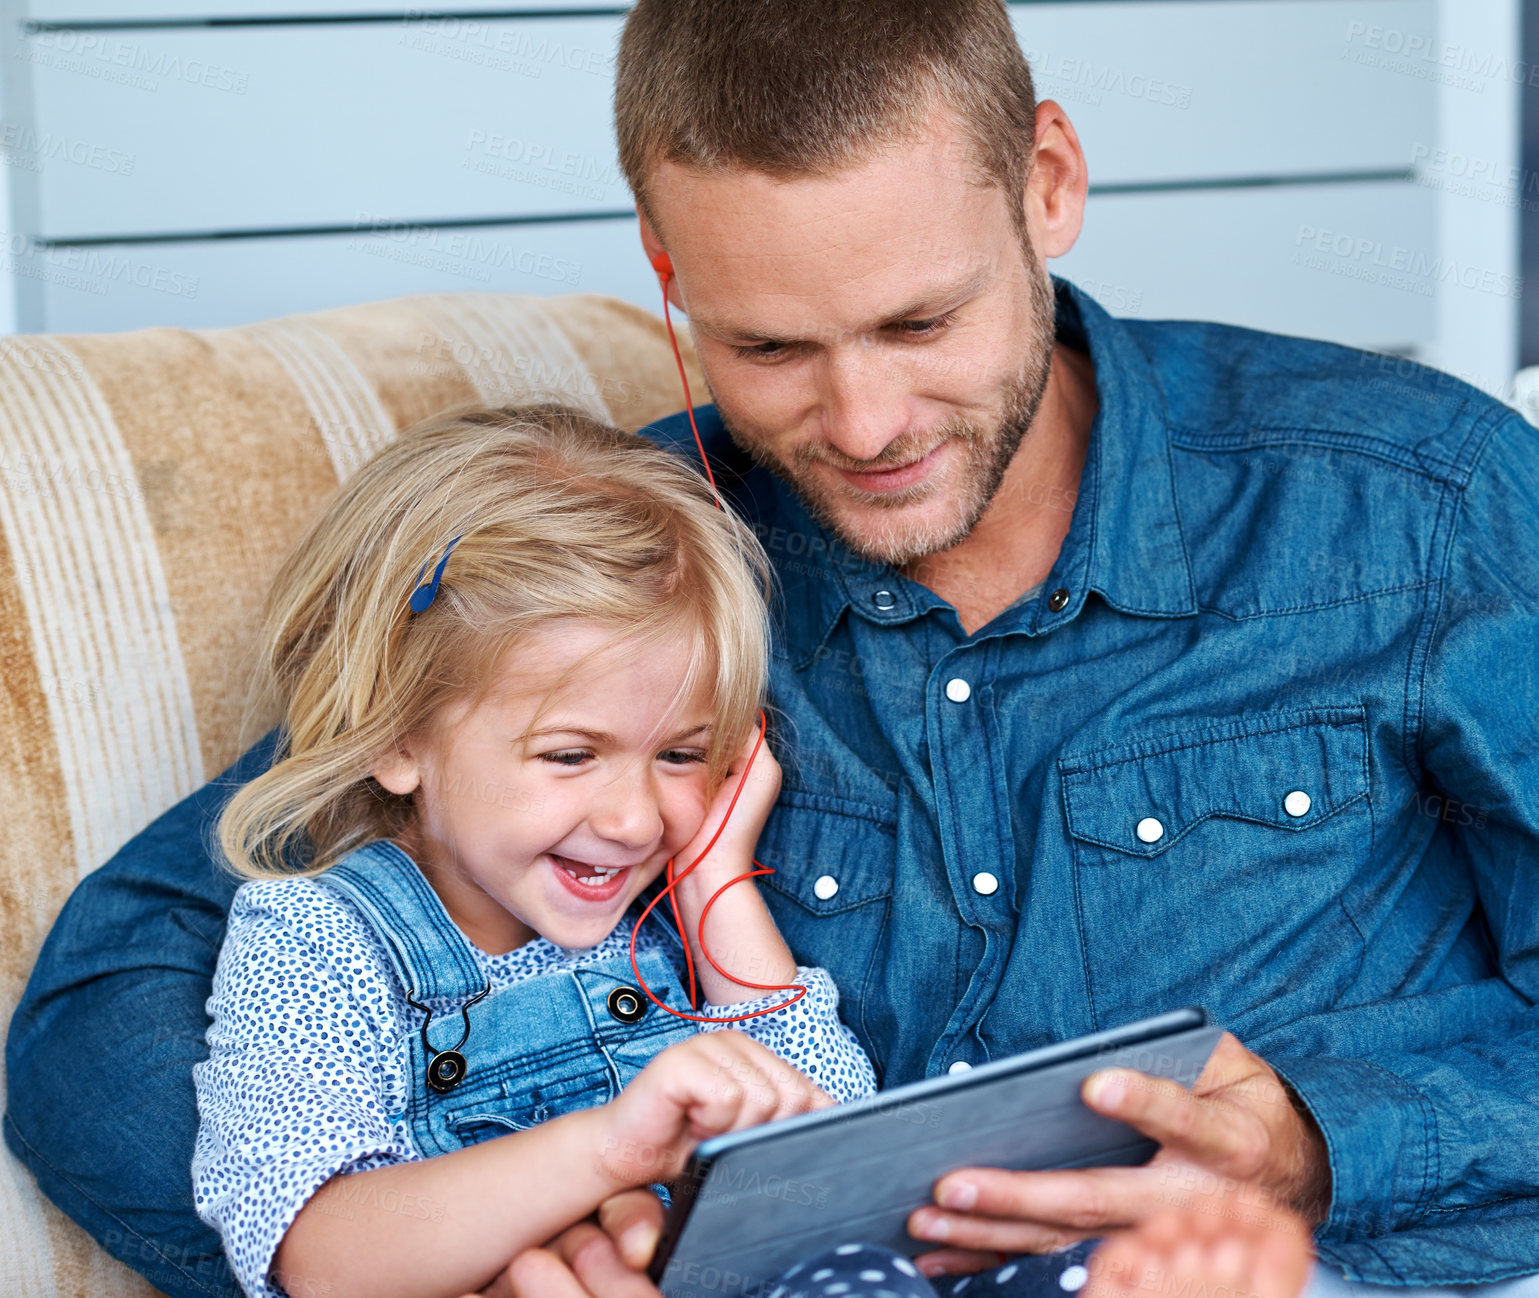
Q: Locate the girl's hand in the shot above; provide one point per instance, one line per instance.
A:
(733, 853)
(711, 1083)
(1258, 1252)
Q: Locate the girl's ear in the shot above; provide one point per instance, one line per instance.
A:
(397, 771)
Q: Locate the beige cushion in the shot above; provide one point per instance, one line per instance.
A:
(152, 482)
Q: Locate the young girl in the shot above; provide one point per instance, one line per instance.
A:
(520, 660)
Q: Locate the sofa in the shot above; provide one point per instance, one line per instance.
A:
(152, 482)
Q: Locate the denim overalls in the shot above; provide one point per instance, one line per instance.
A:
(542, 1047)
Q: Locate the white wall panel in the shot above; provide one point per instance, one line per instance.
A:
(199, 129)
(1357, 264)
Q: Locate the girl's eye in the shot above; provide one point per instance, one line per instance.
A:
(682, 756)
(568, 757)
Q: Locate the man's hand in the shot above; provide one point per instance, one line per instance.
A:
(1236, 1125)
(588, 1260)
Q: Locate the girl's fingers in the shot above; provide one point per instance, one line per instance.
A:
(1260, 1255)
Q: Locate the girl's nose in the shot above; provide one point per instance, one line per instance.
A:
(627, 812)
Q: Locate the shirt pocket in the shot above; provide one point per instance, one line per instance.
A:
(1212, 866)
(831, 893)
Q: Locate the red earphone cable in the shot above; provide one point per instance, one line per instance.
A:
(664, 268)
(673, 880)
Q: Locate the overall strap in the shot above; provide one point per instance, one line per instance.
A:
(431, 956)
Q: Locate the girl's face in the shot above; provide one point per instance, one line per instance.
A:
(557, 835)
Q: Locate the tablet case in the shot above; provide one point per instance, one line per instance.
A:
(753, 1203)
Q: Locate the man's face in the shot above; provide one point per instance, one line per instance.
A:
(879, 338)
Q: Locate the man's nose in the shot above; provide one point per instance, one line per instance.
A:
(864, 400)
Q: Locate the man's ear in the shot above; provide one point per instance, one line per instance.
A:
(653, 247)
(397, 771)
(1057, 184)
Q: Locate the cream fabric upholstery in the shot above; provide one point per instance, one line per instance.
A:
(152, 482)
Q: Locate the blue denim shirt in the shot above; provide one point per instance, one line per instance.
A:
(1292, 569)
(1265, 742)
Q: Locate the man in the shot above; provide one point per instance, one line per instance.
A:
(1125, 666)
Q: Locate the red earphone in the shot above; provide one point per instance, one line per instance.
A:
(663, 265)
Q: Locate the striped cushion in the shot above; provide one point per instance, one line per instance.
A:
(152, 482)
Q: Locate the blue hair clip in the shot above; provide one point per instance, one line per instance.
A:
(426, 591)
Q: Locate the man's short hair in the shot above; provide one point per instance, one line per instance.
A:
(797, 88)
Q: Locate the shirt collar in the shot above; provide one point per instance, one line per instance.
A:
(1124, 539)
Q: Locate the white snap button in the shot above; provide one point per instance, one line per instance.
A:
(825, 887)
(985, 883)
(958, 690)
(1073, 1278)
(1297, 803)
(961, 1066)
(1150, 830)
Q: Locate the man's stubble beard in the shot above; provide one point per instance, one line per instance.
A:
(986, 455)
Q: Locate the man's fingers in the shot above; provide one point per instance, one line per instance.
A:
(1062, 1207)
(955, 1261)
(1219, 1136)
(536, 1273)
(597, 1265)
(963, 1233)
(634, 1220)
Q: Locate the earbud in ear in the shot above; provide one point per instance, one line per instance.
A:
(663, 265)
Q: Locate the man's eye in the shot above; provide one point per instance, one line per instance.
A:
(682, 756)
(567, 757)
(760, 351)
(923, 328)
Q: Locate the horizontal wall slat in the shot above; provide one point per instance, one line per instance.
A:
(214, 129)
(210, 129)
(1196, 89)
(216, 282)
(1243, 256)
(115, 11)
(1356, 264)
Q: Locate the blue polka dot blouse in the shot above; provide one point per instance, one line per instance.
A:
(308, 1056)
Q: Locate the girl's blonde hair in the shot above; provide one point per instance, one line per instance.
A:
(562, 517)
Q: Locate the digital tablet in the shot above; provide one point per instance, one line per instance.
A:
(753, 1203)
